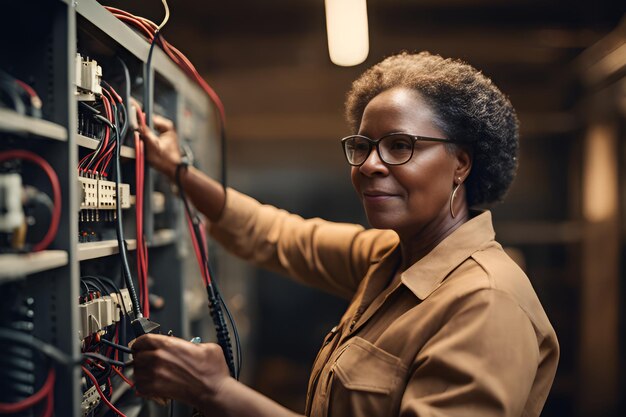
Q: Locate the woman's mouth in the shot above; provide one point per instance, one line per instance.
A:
(377, 196)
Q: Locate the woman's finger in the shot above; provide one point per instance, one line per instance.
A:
(162, 124)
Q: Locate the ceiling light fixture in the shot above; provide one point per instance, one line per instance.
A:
(346, 26)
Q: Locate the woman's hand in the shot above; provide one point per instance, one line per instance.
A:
(162, 151)
(168, 367)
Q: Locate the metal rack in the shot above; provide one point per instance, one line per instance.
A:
(57, 30)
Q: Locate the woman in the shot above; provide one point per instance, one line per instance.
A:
(441, 321)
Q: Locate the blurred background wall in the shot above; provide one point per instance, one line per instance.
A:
(563, 65)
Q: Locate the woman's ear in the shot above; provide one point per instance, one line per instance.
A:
(463, 163)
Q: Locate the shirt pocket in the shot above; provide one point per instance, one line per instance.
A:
(364, 380)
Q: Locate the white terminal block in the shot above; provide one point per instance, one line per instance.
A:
(88, 192)
(91, 399)
(107, 195)
(11, 202)
(96, 315)
(128, 304)
(97, 194)
(106, 311)
(88, 78)
(122, 303)
(89, 314)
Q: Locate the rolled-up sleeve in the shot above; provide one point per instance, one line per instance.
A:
(331, 256)
(481, 362)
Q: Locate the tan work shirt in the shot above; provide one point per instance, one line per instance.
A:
(459, 333)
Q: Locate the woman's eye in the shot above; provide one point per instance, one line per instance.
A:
(400, 145)
(361, 147)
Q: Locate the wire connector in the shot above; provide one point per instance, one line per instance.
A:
(143, 326)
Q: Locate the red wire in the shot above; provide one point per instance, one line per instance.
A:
(141, 261)
(203, 268)
(110, 387)
(46, 390)
(148, 29)
(102, 396)
(122, 376)
(29, 90)
(204, 245)
(105, 158)
(142, 250)
(49, 405)
(56, 191)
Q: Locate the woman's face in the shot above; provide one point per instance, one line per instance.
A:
(412, 198)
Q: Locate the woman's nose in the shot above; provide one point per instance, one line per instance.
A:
(373, 164)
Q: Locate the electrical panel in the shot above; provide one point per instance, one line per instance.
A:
(76, 195)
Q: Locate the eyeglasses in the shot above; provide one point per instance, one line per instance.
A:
(393, 149)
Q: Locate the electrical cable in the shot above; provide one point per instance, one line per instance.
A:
(30, 402)
(119, 231)
(124, 349)
(121, 375)
(56, 191)
(92, 279)
(102, 358)
(142, 250)
(167, 15)
(10, 87)
(147, 102)
(149, 30)
(102, 396)
(35, 101)
(216, 303)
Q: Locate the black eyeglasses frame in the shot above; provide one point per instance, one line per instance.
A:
(374, 143)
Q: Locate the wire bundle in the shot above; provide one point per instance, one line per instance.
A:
(101, 352)
(151, 31)
(98, 162)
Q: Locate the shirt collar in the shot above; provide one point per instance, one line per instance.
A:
(423, 277)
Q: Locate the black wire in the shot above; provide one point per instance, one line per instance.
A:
(97, 283)
(119, 231)
(120, 110)
(116, 346)
(102, 286)
(148, 87)
(126, 89)
(85, 284)
(232, 324)
(108, 361)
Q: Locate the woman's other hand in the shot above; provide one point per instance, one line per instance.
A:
(168, 367)
(162, 151)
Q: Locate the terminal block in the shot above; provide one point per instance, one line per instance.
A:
(97, 314)
(97, 195)
(91, 400)
(88, 79)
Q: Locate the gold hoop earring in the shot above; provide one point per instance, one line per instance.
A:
(456, 188)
